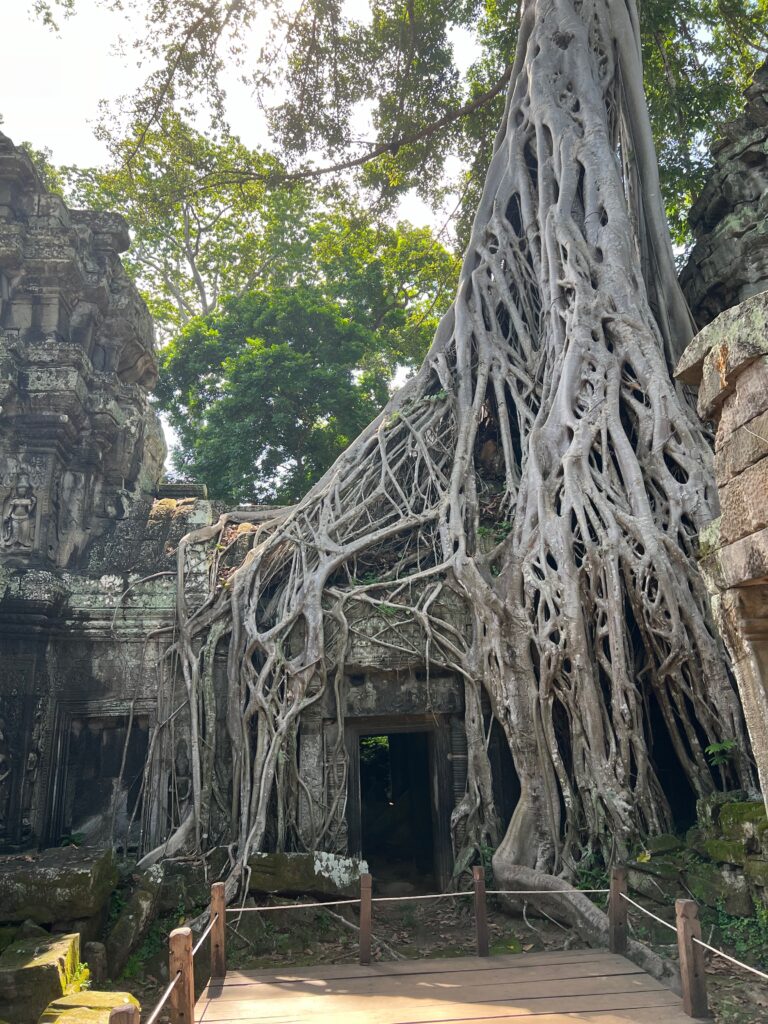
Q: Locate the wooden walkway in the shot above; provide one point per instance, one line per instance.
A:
(528, 988)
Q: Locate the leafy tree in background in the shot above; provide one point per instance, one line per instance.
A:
(267, 391)
(200, 231)
(285, 310)
(698, 54)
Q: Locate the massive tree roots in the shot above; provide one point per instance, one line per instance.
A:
(542, 468)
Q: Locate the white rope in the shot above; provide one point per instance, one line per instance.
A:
(655, 918)
(206, 933)
(542, 892)
(288, 906)
(430, 896)
(164, 999)
(733, 960)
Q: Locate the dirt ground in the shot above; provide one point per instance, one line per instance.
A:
(415, 930)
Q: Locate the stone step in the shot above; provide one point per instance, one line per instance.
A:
(86, 1007)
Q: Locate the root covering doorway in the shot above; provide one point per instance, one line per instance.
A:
(400, 793)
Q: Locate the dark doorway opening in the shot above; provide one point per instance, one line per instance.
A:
(397, 829)
(669, 771)
(99, 777)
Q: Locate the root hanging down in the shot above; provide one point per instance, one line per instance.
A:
(542, 469)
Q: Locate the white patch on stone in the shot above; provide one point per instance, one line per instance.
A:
(342, 871)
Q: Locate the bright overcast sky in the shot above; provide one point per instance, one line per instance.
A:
(51, 84)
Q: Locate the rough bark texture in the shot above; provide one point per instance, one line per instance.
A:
(543, 466)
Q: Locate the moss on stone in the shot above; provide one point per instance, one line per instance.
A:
(82, 1006)
(61, 885)
(726, 851)
(695, 838)
(743, 820)
(34, 971)
(665, 843)
(756, 870)
(716, 886)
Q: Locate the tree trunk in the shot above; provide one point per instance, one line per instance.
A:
(544, 418)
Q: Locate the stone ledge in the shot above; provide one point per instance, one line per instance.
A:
(723, 349)
(61, 885)
(34, 971)
(737, 564)
(86, 1006)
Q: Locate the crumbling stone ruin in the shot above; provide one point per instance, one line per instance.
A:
(81, 452)
(88, 580)
(729, 261)
(93, 718)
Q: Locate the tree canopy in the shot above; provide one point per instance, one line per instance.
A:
(266, 392)
(385, 87)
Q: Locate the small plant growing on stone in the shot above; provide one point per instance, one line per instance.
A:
(720, 754)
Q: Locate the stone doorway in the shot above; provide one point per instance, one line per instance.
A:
(101, 754)
(400, 799)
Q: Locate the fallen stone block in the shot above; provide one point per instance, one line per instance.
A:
(86, 1007)
(60, 885)
(299, 874)
(34, 971)
(134, 920)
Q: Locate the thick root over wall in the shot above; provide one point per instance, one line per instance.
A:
(542, 467)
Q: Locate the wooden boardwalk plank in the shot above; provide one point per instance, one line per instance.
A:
(416, 983)
(543, 988)
(332, 972)
(558, 995)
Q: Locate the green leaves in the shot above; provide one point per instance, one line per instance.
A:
(382, 86)
(720, 754)
(201, 228)
(267, 391)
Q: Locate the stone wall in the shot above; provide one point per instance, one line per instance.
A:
(728, 361)
(82, 524)
(725, 282)
(729, 220)
(79, 443)
(722, 861)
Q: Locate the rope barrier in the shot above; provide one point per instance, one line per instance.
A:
(428, 896)
(289, 906)
(649, 914)
(164, 999)
(733, 959)
(543, 892)
(206, 933)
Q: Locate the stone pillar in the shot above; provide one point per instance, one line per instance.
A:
(312, 775)
(728, 361)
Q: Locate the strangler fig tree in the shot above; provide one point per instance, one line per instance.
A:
(542, 470)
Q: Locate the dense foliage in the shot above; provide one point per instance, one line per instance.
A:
(265, 392)
(432, 83)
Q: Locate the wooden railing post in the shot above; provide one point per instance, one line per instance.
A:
(218, 930)
(692, 976)
(481, 911)
(127, 1014)
(182, 1001)
(366, 915)
(617, 912)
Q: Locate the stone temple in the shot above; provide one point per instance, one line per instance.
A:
(88, 578)
(88, 539)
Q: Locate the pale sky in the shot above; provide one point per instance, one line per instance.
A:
(51, 84)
